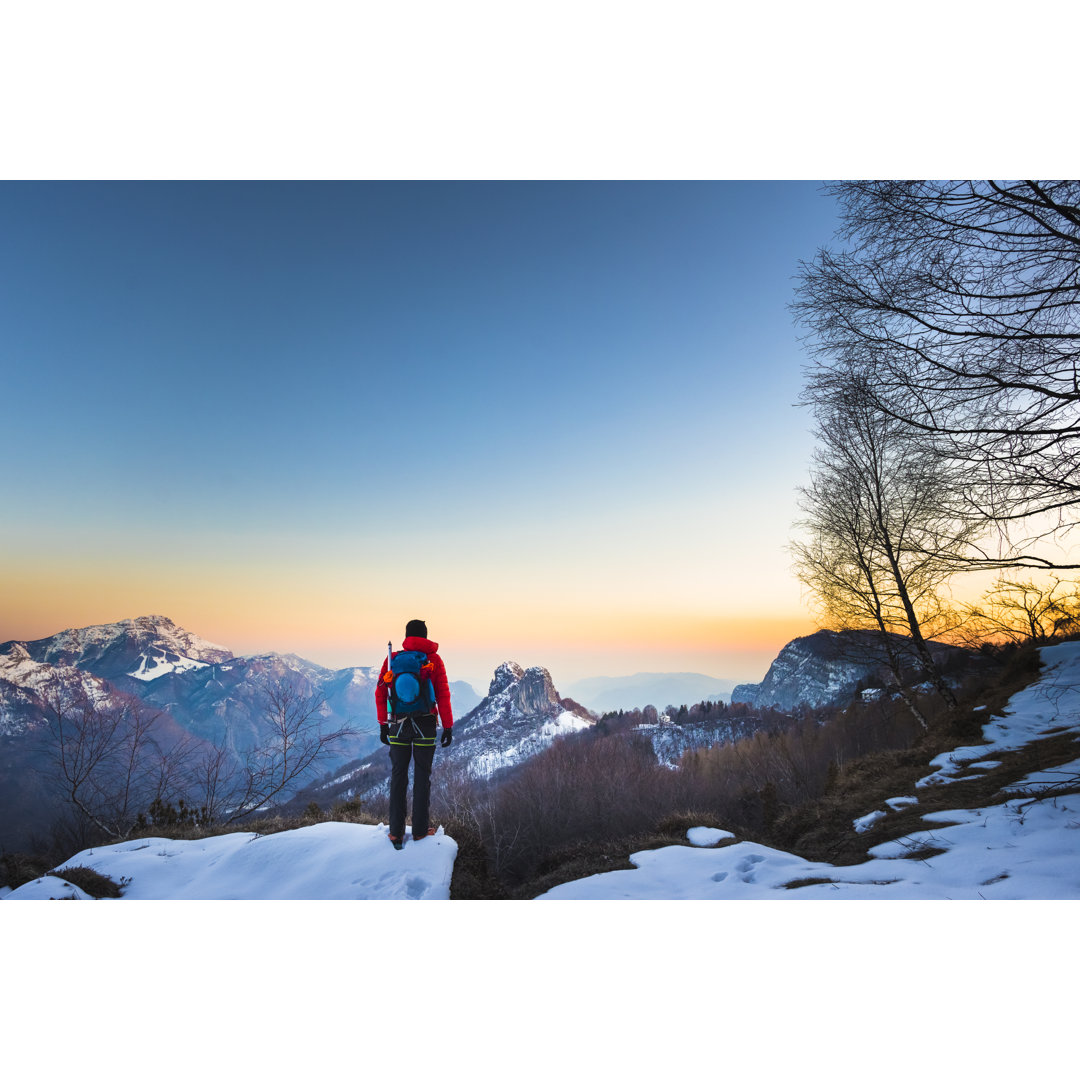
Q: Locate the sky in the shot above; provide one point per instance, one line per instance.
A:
(553, 419)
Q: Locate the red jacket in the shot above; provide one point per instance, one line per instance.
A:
(438, 680)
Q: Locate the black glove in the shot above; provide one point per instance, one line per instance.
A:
(447, 737)
(383, 736)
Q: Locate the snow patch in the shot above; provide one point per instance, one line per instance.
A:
(701, 836)
(333, 860)
(899, 802)
(154, 666)
(868, 821)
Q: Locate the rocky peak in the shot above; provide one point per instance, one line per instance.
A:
(524, 692)
(520, 716)
(536, 692)
(506, 674)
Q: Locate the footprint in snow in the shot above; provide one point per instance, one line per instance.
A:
(415, 888)
(746, 867)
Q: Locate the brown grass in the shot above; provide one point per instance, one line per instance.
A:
(99, 886)
(586, 857)
(19, 868)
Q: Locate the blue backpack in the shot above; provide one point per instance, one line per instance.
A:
(409, 679)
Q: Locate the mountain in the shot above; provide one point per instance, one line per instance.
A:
(142, 649)
(463, 698)
(521, 714)
(606, 693)
(205, 688)
(33, 674)
(826, 668)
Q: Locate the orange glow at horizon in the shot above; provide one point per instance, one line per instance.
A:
(344, 624)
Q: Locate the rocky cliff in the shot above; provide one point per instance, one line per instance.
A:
(825, 668)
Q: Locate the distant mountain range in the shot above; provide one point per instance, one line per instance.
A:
(606, 693)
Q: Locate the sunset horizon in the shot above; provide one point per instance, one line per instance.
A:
(555, 419)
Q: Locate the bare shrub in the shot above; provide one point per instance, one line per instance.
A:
(593, 788)
(107, 758)
(99, 886)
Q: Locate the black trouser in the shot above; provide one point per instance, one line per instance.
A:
(411, 739)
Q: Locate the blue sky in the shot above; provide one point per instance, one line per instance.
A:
(559, 397)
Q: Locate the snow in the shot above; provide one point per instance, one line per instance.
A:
(165, 634)
(485, 763)
(1020, 849)
(563, 724)
(700, 836)
(50, 887)
(330, 861)
(153, 667)
(902, 801)
(26, 674)
(1015, 851)
(868, 821)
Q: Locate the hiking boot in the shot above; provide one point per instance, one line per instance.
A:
(398, 842)
(430, 832)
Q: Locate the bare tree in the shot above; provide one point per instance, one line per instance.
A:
(113, 767)
(107, 757)
(292, 742)
(958, 303)
(1022, 611)
(213, 780)
(882, 526)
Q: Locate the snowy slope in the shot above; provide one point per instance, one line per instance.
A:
(1021, 849)
(25, 686)
(330, 861)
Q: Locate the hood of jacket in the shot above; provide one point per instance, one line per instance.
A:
(420, 644)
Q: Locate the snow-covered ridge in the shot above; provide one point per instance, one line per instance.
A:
(159, 630)
(144, 648)
(26, 686)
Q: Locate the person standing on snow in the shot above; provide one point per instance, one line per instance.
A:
(412, 736)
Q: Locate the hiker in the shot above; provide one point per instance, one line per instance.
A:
(413, 682)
